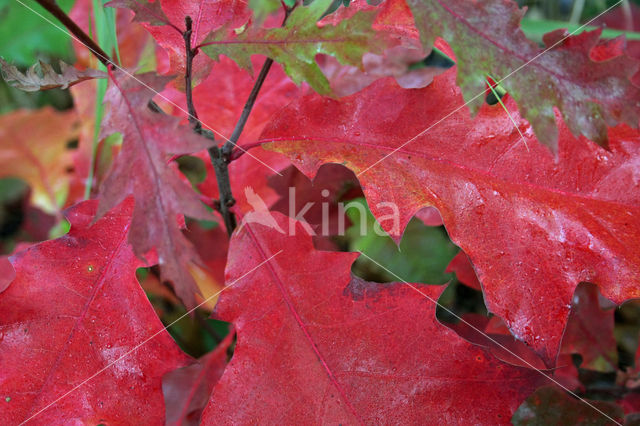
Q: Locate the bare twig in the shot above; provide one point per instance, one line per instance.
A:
(190, 53)
(248, 106)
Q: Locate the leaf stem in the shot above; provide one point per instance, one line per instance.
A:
(54, 9)
(221, 157)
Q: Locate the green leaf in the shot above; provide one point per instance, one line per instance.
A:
(296, 44)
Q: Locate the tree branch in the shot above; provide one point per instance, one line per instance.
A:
(221, 157)
(54, 9)
(228, 147)
(221, 167)
(190, 53)
(248, 106)
(218, 160)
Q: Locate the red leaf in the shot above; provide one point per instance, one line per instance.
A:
(590, 331)
(141, 171)
(74, 308)
(551, 406)
(318, 345)
(464, 271)
(7, 273)
(187, 390)
(164, 19)
(532, 226)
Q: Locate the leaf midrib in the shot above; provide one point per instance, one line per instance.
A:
(303, 327)
(80, 318)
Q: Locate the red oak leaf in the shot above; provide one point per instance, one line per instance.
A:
(317, 345)
(568, 220)
(487, 40)
(549, 405)
(141, 170)
(464, 271)
(590, 331)
(74, 309)
(187, 390)
(165, 20)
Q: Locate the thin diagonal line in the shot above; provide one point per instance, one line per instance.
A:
(493, 340)
(481, 93)
(152, 90)
(149, 338)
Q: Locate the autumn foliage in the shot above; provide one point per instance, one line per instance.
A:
(190, 145)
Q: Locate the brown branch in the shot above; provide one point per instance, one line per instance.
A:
(190, 53)
(221, 157)
(219, 161)
(221, 168)
(246, 111)
(228, 147)
(54, 9)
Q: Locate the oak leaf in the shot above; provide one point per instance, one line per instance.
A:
(487, 40)
(42, 76)
(296, 44)
(316, 344)
(569, 220)
(142, 171)
(74, 309)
